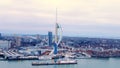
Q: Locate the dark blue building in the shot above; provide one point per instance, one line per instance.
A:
(50, 38)
(0, 35)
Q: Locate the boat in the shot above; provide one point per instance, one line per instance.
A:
(78, 55)
(82, 56)
(47, 57)
(58, 56)
(68, 61)
(28, 58)
(59, 62)
(70, 56)
(21, 58)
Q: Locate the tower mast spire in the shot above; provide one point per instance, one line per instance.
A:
(56, 29)
(56, 15)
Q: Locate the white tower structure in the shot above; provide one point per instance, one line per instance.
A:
(58, 30)
(58, 36)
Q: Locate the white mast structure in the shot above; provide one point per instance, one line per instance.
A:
(58, 38)
(58, 30)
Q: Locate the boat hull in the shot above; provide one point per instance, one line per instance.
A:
(37, 64)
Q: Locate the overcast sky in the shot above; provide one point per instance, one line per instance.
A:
(84, 18)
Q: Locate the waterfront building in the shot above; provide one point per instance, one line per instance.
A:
(18, 41)
(5, 44)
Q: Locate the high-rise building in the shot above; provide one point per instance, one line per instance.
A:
(50, 38)
(0, 35)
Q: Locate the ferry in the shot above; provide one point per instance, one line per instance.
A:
(60, 62)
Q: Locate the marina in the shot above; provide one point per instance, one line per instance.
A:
(59, 34)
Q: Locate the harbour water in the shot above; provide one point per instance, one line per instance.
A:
(82, 63)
